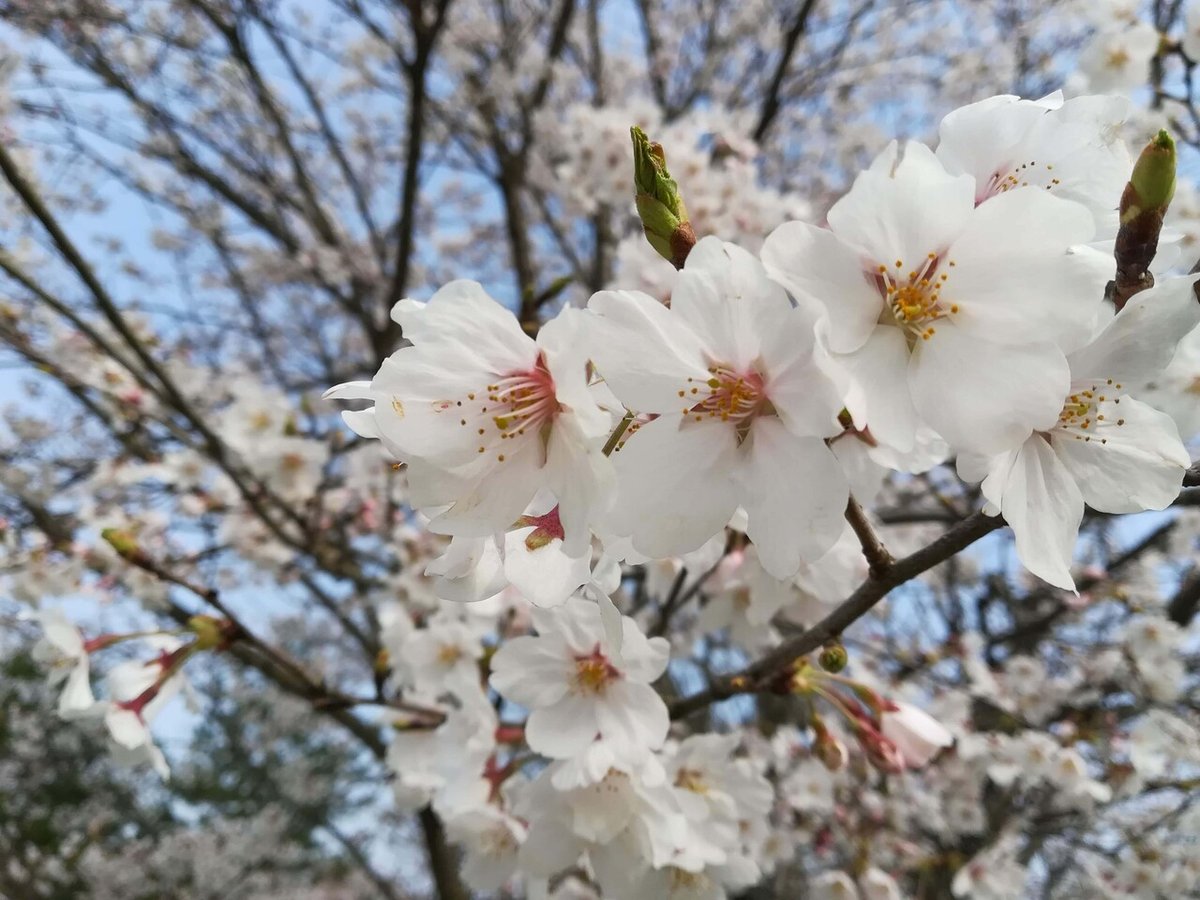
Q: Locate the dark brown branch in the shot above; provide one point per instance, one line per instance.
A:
(759, 674)
(771, 104)
(879, 560)
(443, 861)
(425, 38)
(1183, 605)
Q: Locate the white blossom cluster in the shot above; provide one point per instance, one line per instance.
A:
(539, 541)
(952, 307)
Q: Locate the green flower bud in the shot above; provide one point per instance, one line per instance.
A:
(1143, 206)
(833, 657)
(122, 541)
(1153, 181)
(210, 632)
(664, 217)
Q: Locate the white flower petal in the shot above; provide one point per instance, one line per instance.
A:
(1043, 505)
(1133, 462)
(795, 496)
(983, 396)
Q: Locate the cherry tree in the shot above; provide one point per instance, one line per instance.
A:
(658, 449)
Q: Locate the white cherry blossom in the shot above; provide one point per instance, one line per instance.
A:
(63, 650)
(574, 688)
(485, 416)
(1107, 449)
(917, 735)
(1071, 148)
(741, 404)
(943, 311)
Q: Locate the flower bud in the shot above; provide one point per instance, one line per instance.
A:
(383, 662)
(833, 656)
(882, 754)
(1143, 206)
(918, 735)
(800, 680)
(868, 697)
(210, 632)
(124, 542)
(664, 217)
(1152, 184)
(830, 750)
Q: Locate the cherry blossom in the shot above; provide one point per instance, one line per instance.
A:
(1107, 449)
(575, 691)
(63, 650)
(917, 735)
(953, 318)
(484, 416)
(740, 399)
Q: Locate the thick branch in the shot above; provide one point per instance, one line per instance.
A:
(443, 861)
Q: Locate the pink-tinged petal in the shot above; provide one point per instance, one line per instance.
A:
(1042, 503)
(644, 353)
(125, 727)
(878, 397)
(550, 847)
(563, 729)
(980, 139)
(430, 486)
(469, 571)
(581, 478)
(564, 343)
(349, 390)
(362, 422)
(577, 627)
(545, 575)
(498, 499)
(795, 495)
(818, 268)
(1130, 461)
(61, 633)
(613, 622)
(632, 716)
(802, 383)
(674, 489)
(986, 397)
(644, 659)
(421, 400)
(890, 216)
(76, 696)
(918, 735)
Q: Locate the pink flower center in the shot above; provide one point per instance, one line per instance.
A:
(594, 673)
(914, 295)
(1023, 175)
(546, 528)
(729, 396)
(520, 403)
(523, 400)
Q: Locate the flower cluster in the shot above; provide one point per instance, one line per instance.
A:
(953, 307)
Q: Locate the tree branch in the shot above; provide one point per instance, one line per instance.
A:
(756, 676)
(771, 104)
